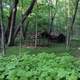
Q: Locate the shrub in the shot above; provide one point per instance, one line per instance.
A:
(43, 66)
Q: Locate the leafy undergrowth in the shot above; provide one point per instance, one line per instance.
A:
(43, 66)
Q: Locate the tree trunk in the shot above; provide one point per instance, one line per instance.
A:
(25, 16)
(2, 29)
(8, 28)
(51, 15)
(11, 32)
(74, 16)
(25, 29)
(70, 27)
(11, 25)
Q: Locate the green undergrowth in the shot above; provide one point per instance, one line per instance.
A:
(42, 66)
(56, 50)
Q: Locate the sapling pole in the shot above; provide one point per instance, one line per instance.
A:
(21, 27)
(66, 20)
(2, 29)
(50, 15)
(70, 27)
(36, 30)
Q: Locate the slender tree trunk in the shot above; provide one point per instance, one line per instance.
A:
(51, 15)
(25, 29)
(12, 23)
(74, 16)
(70, 26)
(25, 16)
(2, 29)
(36, 28)
(8, 28)
(12, 32)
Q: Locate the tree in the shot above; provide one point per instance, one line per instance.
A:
(12, 21)
(25, 16)
(1, 27)
(52, 14)
(70, 27)
(12, 32)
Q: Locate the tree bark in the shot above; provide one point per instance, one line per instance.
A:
(25, 29)
(70, 27)
(74, 16)
(11, 31)
(2, 29)
(52, 16)
(11, 24)
(8, 28)
(25, 16)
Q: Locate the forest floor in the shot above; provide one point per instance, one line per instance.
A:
(58, 49)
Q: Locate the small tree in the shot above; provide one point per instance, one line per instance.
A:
(2, 29)
(70, 26)
(36, 24)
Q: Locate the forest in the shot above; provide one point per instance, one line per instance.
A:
(39, 39)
